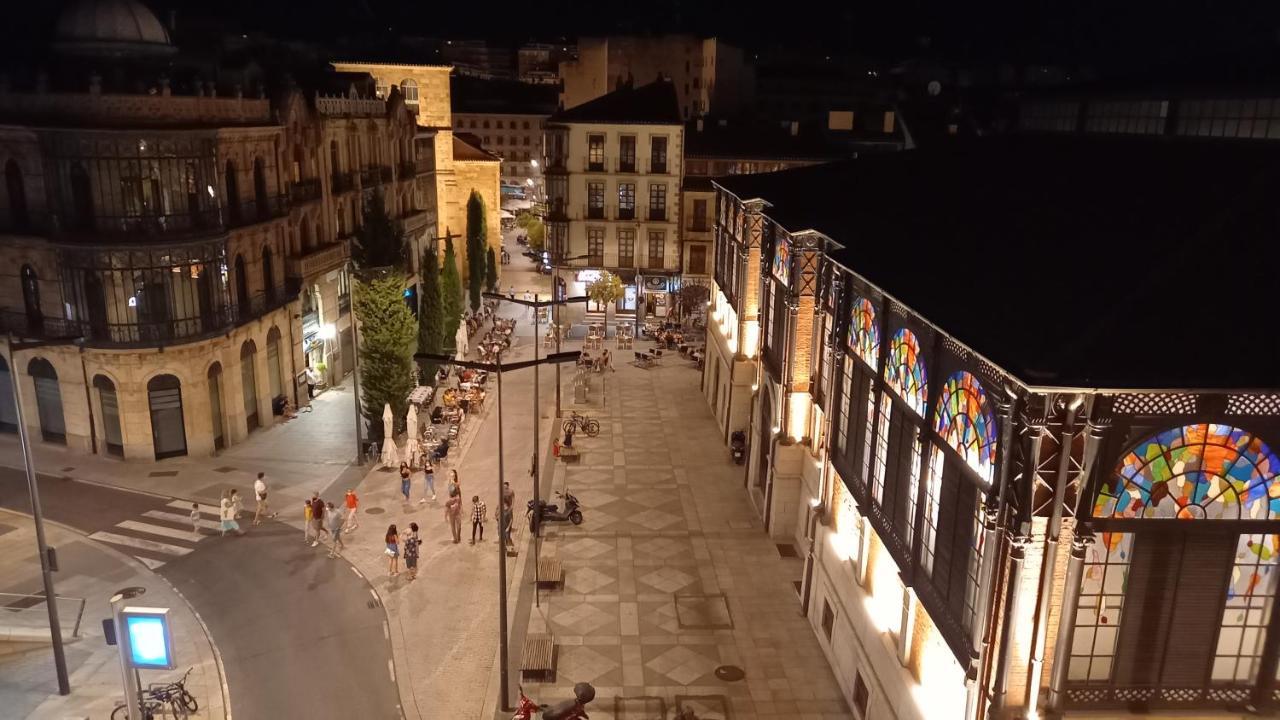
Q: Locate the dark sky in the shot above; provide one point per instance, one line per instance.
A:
(1122, 34)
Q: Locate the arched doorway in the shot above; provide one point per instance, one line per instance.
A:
(31, 299)
(268, 275)
(8, 410)
(53, 426)
(260, 188)
(275, 374)
(168, 433)
(242, 288)
(215, 406)
(233, 193)
(81, 198)
(18, 218)
(249, 384)
(109, 405)
(1180, 613)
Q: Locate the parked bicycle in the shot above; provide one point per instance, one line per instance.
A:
(163, 698)
(581, 422)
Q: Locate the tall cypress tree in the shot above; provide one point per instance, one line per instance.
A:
(450, 292)
(477, 241)
(430, 311)
(379, 241)
(387, 337)
(491, 271)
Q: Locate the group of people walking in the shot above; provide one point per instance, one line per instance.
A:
(230, 505)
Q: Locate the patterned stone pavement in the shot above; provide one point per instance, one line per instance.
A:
(671, 575)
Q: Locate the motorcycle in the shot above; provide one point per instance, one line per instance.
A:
(552, 511)
(583, 693)
(738, 446)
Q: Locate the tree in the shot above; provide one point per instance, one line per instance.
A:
(524, 218)
(450, 292)
(430, 311)
(491, 271)
(537, 233)
(690, 296)
(379, 241)
(387, 338)
(605, 290)
(477, 240)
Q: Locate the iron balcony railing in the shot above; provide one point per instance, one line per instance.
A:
(304, 190)
(627, 213)
(101, 332)
(386, 173)
(408, 169)
(342, 182)
(258, 210)
(658, 214)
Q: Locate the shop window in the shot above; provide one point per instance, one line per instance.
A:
(828, 619)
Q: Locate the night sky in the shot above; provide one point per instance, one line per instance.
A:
(1115, 36)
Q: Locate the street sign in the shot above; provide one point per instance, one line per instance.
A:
(149, 637)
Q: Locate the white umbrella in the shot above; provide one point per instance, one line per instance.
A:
(390, 457)
(461, 341)
(411, 449)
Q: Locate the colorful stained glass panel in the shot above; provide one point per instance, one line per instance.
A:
(864, 334)
(965, 421)
(1195, 471)
(782, 260)
(905, 371)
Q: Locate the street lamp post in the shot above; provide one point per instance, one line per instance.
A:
(497, 368)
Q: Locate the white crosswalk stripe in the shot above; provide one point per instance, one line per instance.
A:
(140, 543)
(161, 530)
(180, 519)
(157, 536)
(186, 507)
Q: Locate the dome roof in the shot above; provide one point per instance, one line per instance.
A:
(110, 27)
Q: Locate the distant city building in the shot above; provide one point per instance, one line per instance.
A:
(1010, 506)
(708, 75)
(1242, 112)
(176, 248)
(613, 169)
(480, 58)
(539, 63)
(508, 118)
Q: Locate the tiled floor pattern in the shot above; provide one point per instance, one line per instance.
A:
(671, 575)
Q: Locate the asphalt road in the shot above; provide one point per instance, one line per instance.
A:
(300, 635)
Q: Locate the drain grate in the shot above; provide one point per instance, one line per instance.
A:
(375, 511)
(163, 473)
(730, 673)
(224, 469)
(374, 604)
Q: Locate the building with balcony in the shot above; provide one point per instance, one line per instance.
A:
(613, 169)
(508, 118)
(171, 244)
(1010, 502)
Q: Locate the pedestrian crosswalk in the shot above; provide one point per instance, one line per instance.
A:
(159, 536)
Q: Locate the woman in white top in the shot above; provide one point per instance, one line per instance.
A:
(227, 510)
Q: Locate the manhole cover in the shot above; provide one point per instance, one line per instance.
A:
(374, 511)
(730, 673)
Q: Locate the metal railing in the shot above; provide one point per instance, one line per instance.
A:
(258, 210)
(25, 610)
(627, 213)
(342, 182)
(408, 169)
(658, 214)
(304, 190)
(368, 177)
(386, 173)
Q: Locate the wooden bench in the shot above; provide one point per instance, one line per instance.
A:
(538, 656)
(550, 571)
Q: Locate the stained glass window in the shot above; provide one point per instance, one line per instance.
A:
(965, 422)
(1195, 471)
(1106, 572)
(905, 371)
(1246, 615)
(864, 334)
(782, 260)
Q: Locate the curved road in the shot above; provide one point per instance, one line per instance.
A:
(300, 635)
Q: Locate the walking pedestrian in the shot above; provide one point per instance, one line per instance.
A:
(507, 516)
(352, 503)
(453, 516)
(478, 514)
(313, 379)
(306, 521)
(393, 550)
(195, 518)
(404, 481)
(335, 529)
(237, 506)
(606, 361)
(410, 545)
(455, 485)
(260, 495)
(428, 480)
(508, 495)
(227, 514)
(317, 518)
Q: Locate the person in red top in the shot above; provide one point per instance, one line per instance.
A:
(317, 518)
(352, 503)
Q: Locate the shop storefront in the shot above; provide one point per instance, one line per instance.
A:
(656, 294)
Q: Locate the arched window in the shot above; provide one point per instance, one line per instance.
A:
(53, 427)
(964, 420)
(335, 158)
(31, 299)
(905, 372)
(1195, 471)
(81, 198)
(409, 87)
(864, 334)
(260, 188)
(268, 274)
(274, 374)
(8, 410)
(168, 431)
(18, 218)
(233, 192)
(299, 163)
(249, 383)
(215, 405)
(109, 404)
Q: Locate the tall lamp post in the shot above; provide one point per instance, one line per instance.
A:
(497, 368)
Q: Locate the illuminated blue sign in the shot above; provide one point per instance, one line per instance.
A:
(150, 638)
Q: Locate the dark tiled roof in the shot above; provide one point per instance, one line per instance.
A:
(654, 104)
(475, 95)
(468, 147)
(1083, 262)
(748, 141)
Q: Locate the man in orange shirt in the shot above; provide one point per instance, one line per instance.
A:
(352, 503)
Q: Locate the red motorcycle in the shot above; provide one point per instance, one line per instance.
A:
(574, 709)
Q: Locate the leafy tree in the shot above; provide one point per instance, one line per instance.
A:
(605, 290)
(537, 233)
(450, 292)
(477, 240)
(379, 241)
(387, 338)
(430, 311)
(524, 218)
(491, 271)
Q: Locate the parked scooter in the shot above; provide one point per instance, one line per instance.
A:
(574, 709)
(738, 445)
(553, 513)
